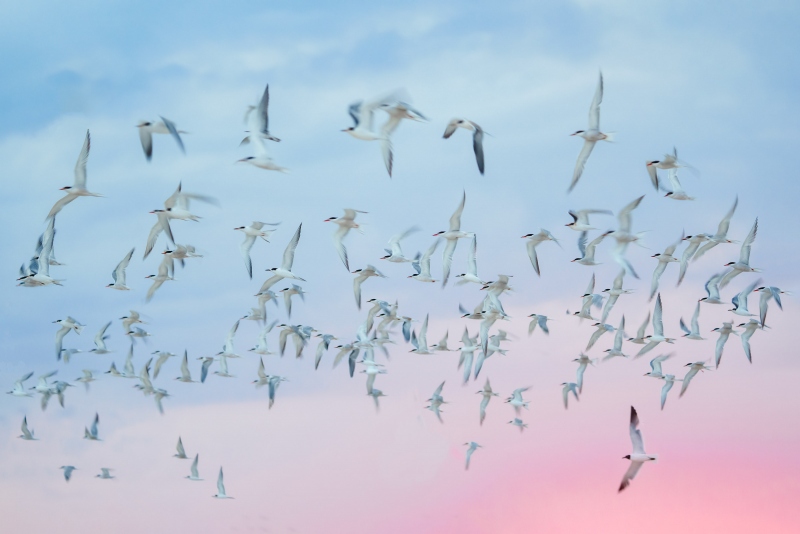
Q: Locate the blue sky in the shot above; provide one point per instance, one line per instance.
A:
(719, 81)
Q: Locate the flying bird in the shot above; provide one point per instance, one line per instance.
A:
(591, 135)
(638, 457)
(477, 137)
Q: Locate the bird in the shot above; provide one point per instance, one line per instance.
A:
(158, 279)
(181, 454)
(695, 368)
(118, 274)
(658, 330)
(589, 299)
(518, 423)
(712, 290)
(258, 116)
(92, 434)
(471, 447)
(664, 259)
(614, 293)
(675, 190)
(533, 241)
(517, 401)
(256, 229)
(345, 223)
(105, 473)
(132, 318)
(394, 253)
(619, 337)
(162, 358)
(668, 162)
(743, 265)
(767, 293)
(591, 135)
(655, 365)
(740, 300)
(420, 341)
(100, 341)
(19, 390)
(724, 332)
(583, 361)
(601, 329)
(580, 219)
(669, 381)
(67, 325)
(694, 333)
(694, 243)
(638, 457)
(164, 126)
(587, 251)
(721, 236)
(87, 378)
(541, 321)
(288, 293)
(68, 469)
(362, 275)
(27, 434)
(362, 114)
(568, 387)
(624, 235)
(477, 138)
(436, 402)
(194, 474)
(423, 264)
(472, 265)
(487, 395)
(78, 188)
(452, 236)
(750, 328)
(285, 270)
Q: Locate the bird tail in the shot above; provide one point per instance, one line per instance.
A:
(609, 136)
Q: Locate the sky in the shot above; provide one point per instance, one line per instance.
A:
(718, 84)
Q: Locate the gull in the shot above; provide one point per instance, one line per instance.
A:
(694, 243)
(694, 369)
(477, 137)
(67, 325)
(86, 378)
(285, 270)
(533, 241)
(624, 236)
(587, 251)
(658, 330)
(638, 457)
(420, 342)
(722, 233)
(164, 126)
(583, 361)
(160, 278)
(256, 229)
(750, 328)
(591, 135)
(471, 447)
(394, 253)
(78, 188)
(580, 219)
(436, 401)
(663, 259)
(518, 423)
(724, 332)
(565, 390)
(162, 358)
(362, 114)
(740, 301)
(669, 381)
(472, 265)
(452, 236)
(288, 292)
(119, 273)
(100, 341)
(540, 320)
(676, 191)
(257, 118)
(221, 488)
(181, 454)
(619, 337)
(694, 333)
(19, 390)
(345, 223)
(105, 473)
(767, 293)
(423, 265)
(487, 394)
(614, 293)
(655, 365)
(68, 469)
(27, 435)
(132, 318)
(92, 434)
(601, 329)
(712, 290)
(743, 265)
(195, 475)
(517, 401)
(363, 274)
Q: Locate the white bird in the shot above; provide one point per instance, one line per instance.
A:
(420, 341)
(695, 368)
(533, 241)
(132, 318)
(27, 434)
(67, 325)
(517, 401)
(423, 264)
(638, 457)
(591, 135)
(487, 394)
(565, 390)
(394, 253)
(452, 236)
(669, 381)
(362, 114)
(285, 270)
(472, 447)
(105, 473)
(92, 434)
(655, 365)
(664, 259)
(477, 137)
(472, 265)
(288, 293)
(436, 402)
(78, 188)
(256, 229)
(164, 126)
(261, 348)
(694, 243)
(580, 219)
(619, 337)
(517, 422)
(100, 341)
(668, 162)
(161, 225)
(676, 191)
(589, 299)
(258, 117)
(740, 301)
(19, 390)
(541, 321)
(712, 290)
(614, 293)
(743, 265)
(68, 469)
(722, 233)
(587, 251)
(159, 279)
(345, 223)
(768, 293)
(694, 333)
(195, 475)
(362, 275)
(583, 361)
(750, 328)
(119, 272)
(624, 235)
(601, 329)
(86, 379)
(181, 453)
(658, 330)
(162, 359)
(724, 332)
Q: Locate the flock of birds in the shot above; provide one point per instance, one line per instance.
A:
(383, 318)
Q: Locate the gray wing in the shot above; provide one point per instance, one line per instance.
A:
(288, 255)
(583, 157)
(80, 166)
(477, 146)
(146, 137)
(174, 132)
(630, 474)
(594, 109)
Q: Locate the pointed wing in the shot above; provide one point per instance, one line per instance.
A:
(174, 132)
(594, 109)
(455, 219)
(477, 147)
(580, 164)
(630, 474)
(147, 142)
(288, 255)
(80, 165)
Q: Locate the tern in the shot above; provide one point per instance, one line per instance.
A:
(583, 361)
(345, 223)
(477, 137)
(164, 126)
(487, 394)
(601, 329)
(614, 293)
(92, 434)
(695, 368)
(655, 365)
(533, 241)
(394, 253)
(100, 341)
(362, 275)
(750, 328)
(67, 325)
(768, 293)
(325, 341)
(181, 454)
(288, 293)
(362, 114)
(580, 219)
(258, 117)
(162, 358)
(436, 401)
(19, 390)
(565, 390)
(740, 301)
(132, 318)
(471, 447)
(658, 330)
(68, 469)
(668, 162)
(587, 251)
(420, 342)
(105, 473)
(624, 235)
(694, 333)
(86, 379)
(675, 191)
(669, 381)
(638, 457)
(27, 434)
(722, 233)
(589, 299)
(517, 422)
(195, 475)
(619, 337)
(118, 274)
(663, 260)
(78, 188)
(724, 332)
(517, 401)
(375, 394)
(256, 229)
(285, 270)
(161, 225)
(423, 264)
(712, 290)
(541, 321)
(160, 278)
(472, 265)
(591, 135)
(694, 243)
(452, 236)
(743, 265)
